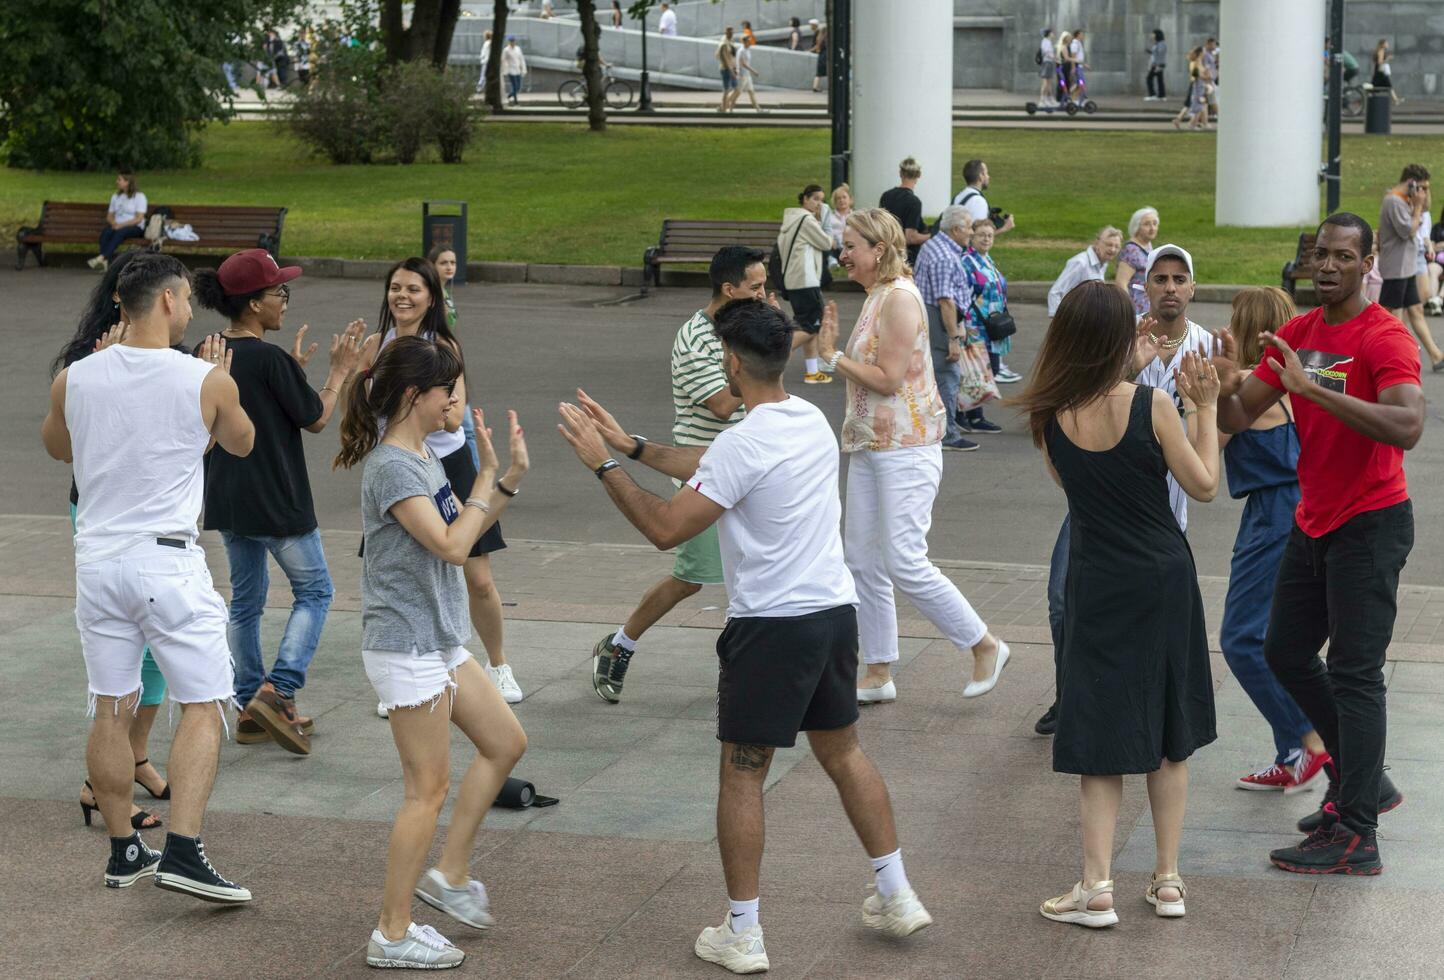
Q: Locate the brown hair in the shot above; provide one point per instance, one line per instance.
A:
(1255, 310)
(130, 185)
(878, 227)
(1088, 349)
(380, 393)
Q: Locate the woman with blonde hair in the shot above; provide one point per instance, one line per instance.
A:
(836, 217)
(892, 432)
(1262, 467)
(1133, 260)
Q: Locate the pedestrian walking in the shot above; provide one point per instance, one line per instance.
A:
(990, 298)
(513, 66)
(892, 433)
(414, 625)
(1352, 374)
(803, 245)
(1404, 210)
(947, 297)
(1135, 692)
(485, 56)
(788, 654)
(667, 22)
(727, 65)
(746, 74)
(705, 406)
(1383, 77)
(261, 503)
(903, 203)
(135, 420)
(1157, 64)
(819, 48)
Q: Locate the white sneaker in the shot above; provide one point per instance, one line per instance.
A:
(422, 948)
(898, 915)
(467, 905)
(740, 952)
(381, 711)
(877, 695)
(1006, 376)
(979, 688)
(505, 683)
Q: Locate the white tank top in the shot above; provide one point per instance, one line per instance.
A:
(138, 441)
(440, 442)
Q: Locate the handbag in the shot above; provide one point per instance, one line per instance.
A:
(776, 268)
(1000, 324)
(976, 385)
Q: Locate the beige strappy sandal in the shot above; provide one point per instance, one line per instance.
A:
(1167, 910)
(1079, 913)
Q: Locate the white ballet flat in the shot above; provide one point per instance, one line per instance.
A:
(976, 689)
(877, 695)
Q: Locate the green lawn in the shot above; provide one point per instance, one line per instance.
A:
(556, 193)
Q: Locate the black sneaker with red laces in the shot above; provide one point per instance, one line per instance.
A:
(1333, 849)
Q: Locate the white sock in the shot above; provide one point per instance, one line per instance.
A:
(891, 878)
(812, 365)
(624, 641)
(744, 914)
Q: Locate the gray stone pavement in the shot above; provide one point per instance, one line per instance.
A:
(617, 879)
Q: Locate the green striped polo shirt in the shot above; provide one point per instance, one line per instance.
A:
(696, 376)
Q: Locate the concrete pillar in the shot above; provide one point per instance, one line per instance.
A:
(902, 98)
(1271, 109)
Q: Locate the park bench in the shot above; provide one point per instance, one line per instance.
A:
(218, 226)
(694, 242)
(1301, 266)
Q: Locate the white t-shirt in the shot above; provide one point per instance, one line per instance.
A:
(1158, 374)
(776, 473)
(972, 199)
(1075, 48)
(667, 26)
(127, 208)
(1046, 48)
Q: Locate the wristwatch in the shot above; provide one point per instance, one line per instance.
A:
(609, 464)
(641, 444)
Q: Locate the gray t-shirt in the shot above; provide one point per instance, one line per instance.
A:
(409, 597)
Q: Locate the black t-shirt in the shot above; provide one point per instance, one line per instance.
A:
(908, 210)
(266, 494)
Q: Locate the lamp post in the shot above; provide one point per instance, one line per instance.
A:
(839, 81)
(644, 102)
(1332, 175)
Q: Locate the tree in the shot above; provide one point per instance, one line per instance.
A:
(493, 65)
(95, 84)
(592, 67)
(429, 37)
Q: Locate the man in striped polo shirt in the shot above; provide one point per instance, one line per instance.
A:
(705, 406)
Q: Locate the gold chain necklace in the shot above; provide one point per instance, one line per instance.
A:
(1164, 343)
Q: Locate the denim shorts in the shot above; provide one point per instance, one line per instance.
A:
(729, 80)
(412, 679)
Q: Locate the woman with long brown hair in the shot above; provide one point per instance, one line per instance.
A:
(414, 625)
(1262, 467)
(1134, 690)
(124, 218)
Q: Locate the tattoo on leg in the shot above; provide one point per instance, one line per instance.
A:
(750, 757)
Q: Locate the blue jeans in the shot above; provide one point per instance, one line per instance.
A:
(110, 238)
(949, 377)
(304, 564)
(1057, 584)
(513, 86)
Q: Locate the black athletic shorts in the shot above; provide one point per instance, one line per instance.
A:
(461, 474)
(781, 676)
(806, 309)
(1399, 294)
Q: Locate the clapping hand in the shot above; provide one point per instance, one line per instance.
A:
(1145, 347)
(1290, 369)
(486, 452)
(827, 333)
(302, 358)
(213, 351)
(345, 347)
(582, 433)
(1197, 380)
(612, 432)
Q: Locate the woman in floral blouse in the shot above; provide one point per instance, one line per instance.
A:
(990, 295)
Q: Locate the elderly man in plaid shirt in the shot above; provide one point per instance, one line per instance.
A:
(948, 298)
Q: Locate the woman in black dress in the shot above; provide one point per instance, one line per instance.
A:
(1135, 694)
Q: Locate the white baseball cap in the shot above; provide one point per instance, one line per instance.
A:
(1169, 251)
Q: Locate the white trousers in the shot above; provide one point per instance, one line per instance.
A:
(889, 510)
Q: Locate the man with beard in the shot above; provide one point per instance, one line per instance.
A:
(975, 177)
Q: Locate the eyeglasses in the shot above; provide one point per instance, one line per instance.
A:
(283, 291)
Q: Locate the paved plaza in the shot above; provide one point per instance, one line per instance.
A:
(617, 880)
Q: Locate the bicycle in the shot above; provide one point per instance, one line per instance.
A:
(572, 93)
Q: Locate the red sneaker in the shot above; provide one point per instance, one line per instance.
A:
(1274, 777)
(1308, 771)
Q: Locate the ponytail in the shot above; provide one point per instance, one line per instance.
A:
(360, 428)
(408, 364)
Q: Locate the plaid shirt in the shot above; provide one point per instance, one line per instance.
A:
(939, 273)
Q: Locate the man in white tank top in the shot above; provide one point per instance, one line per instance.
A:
(135, 420)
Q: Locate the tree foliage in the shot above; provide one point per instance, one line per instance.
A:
(97, 84)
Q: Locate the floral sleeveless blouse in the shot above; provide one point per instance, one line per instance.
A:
(914, 415)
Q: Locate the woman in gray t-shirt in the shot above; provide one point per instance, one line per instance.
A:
(414, 623)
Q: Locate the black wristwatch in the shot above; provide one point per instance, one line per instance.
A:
(505, 491)
(609, 464)
(637, 452)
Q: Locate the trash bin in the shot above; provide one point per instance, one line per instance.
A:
(1376, 113)
(447, 230)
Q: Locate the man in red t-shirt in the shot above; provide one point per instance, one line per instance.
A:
(1353, 373)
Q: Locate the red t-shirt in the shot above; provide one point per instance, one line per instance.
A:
(1343, 472)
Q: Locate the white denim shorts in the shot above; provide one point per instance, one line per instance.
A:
(160, 597)
(412, 679)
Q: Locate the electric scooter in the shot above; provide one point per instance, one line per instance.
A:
(1067, 104)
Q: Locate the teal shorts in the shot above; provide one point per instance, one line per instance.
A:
(699, 559)
(152, 681)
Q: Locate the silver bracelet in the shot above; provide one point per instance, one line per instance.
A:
(832, 361)
(478, 504)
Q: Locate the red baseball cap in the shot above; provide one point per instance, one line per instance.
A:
(252, 271)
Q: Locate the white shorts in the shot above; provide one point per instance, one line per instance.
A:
(161, 597)
(409, 680)
(744, 84)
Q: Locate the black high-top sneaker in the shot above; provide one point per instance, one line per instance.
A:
(1389, 798)
(130, 861)
(184, 868)
(1334, 848)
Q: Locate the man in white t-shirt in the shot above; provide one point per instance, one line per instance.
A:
(788, 655)
(975, 184)
(667, 25)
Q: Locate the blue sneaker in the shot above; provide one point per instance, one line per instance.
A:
(986, 427)
(959, 445)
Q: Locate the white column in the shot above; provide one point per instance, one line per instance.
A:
(1271, 109)
(902, 98)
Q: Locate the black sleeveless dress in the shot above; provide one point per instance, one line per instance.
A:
(1134, 684)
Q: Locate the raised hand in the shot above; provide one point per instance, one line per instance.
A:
(1197, 380)
(1290, 369)
(1145, 346)
(485, 452)
(520, 458)
(345, 347)
(611, 429)
(301, 358)
(827, 334)
(581, 432)
(111, 337)
(369, 347)
(213, 351)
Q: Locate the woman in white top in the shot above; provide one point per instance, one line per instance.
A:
(803, 246)
(124, 218)
(893, 431)
(415, 305)
(836, 218)
(1048, 70)
(413, 630)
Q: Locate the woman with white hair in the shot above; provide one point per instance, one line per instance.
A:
(1133, 260)
(892, 434)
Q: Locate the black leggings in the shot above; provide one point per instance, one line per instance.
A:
(1155, 82)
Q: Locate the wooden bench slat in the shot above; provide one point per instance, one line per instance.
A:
(216, 225)
(693, 241)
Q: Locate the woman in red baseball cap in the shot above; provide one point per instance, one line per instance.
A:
(262, 503)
